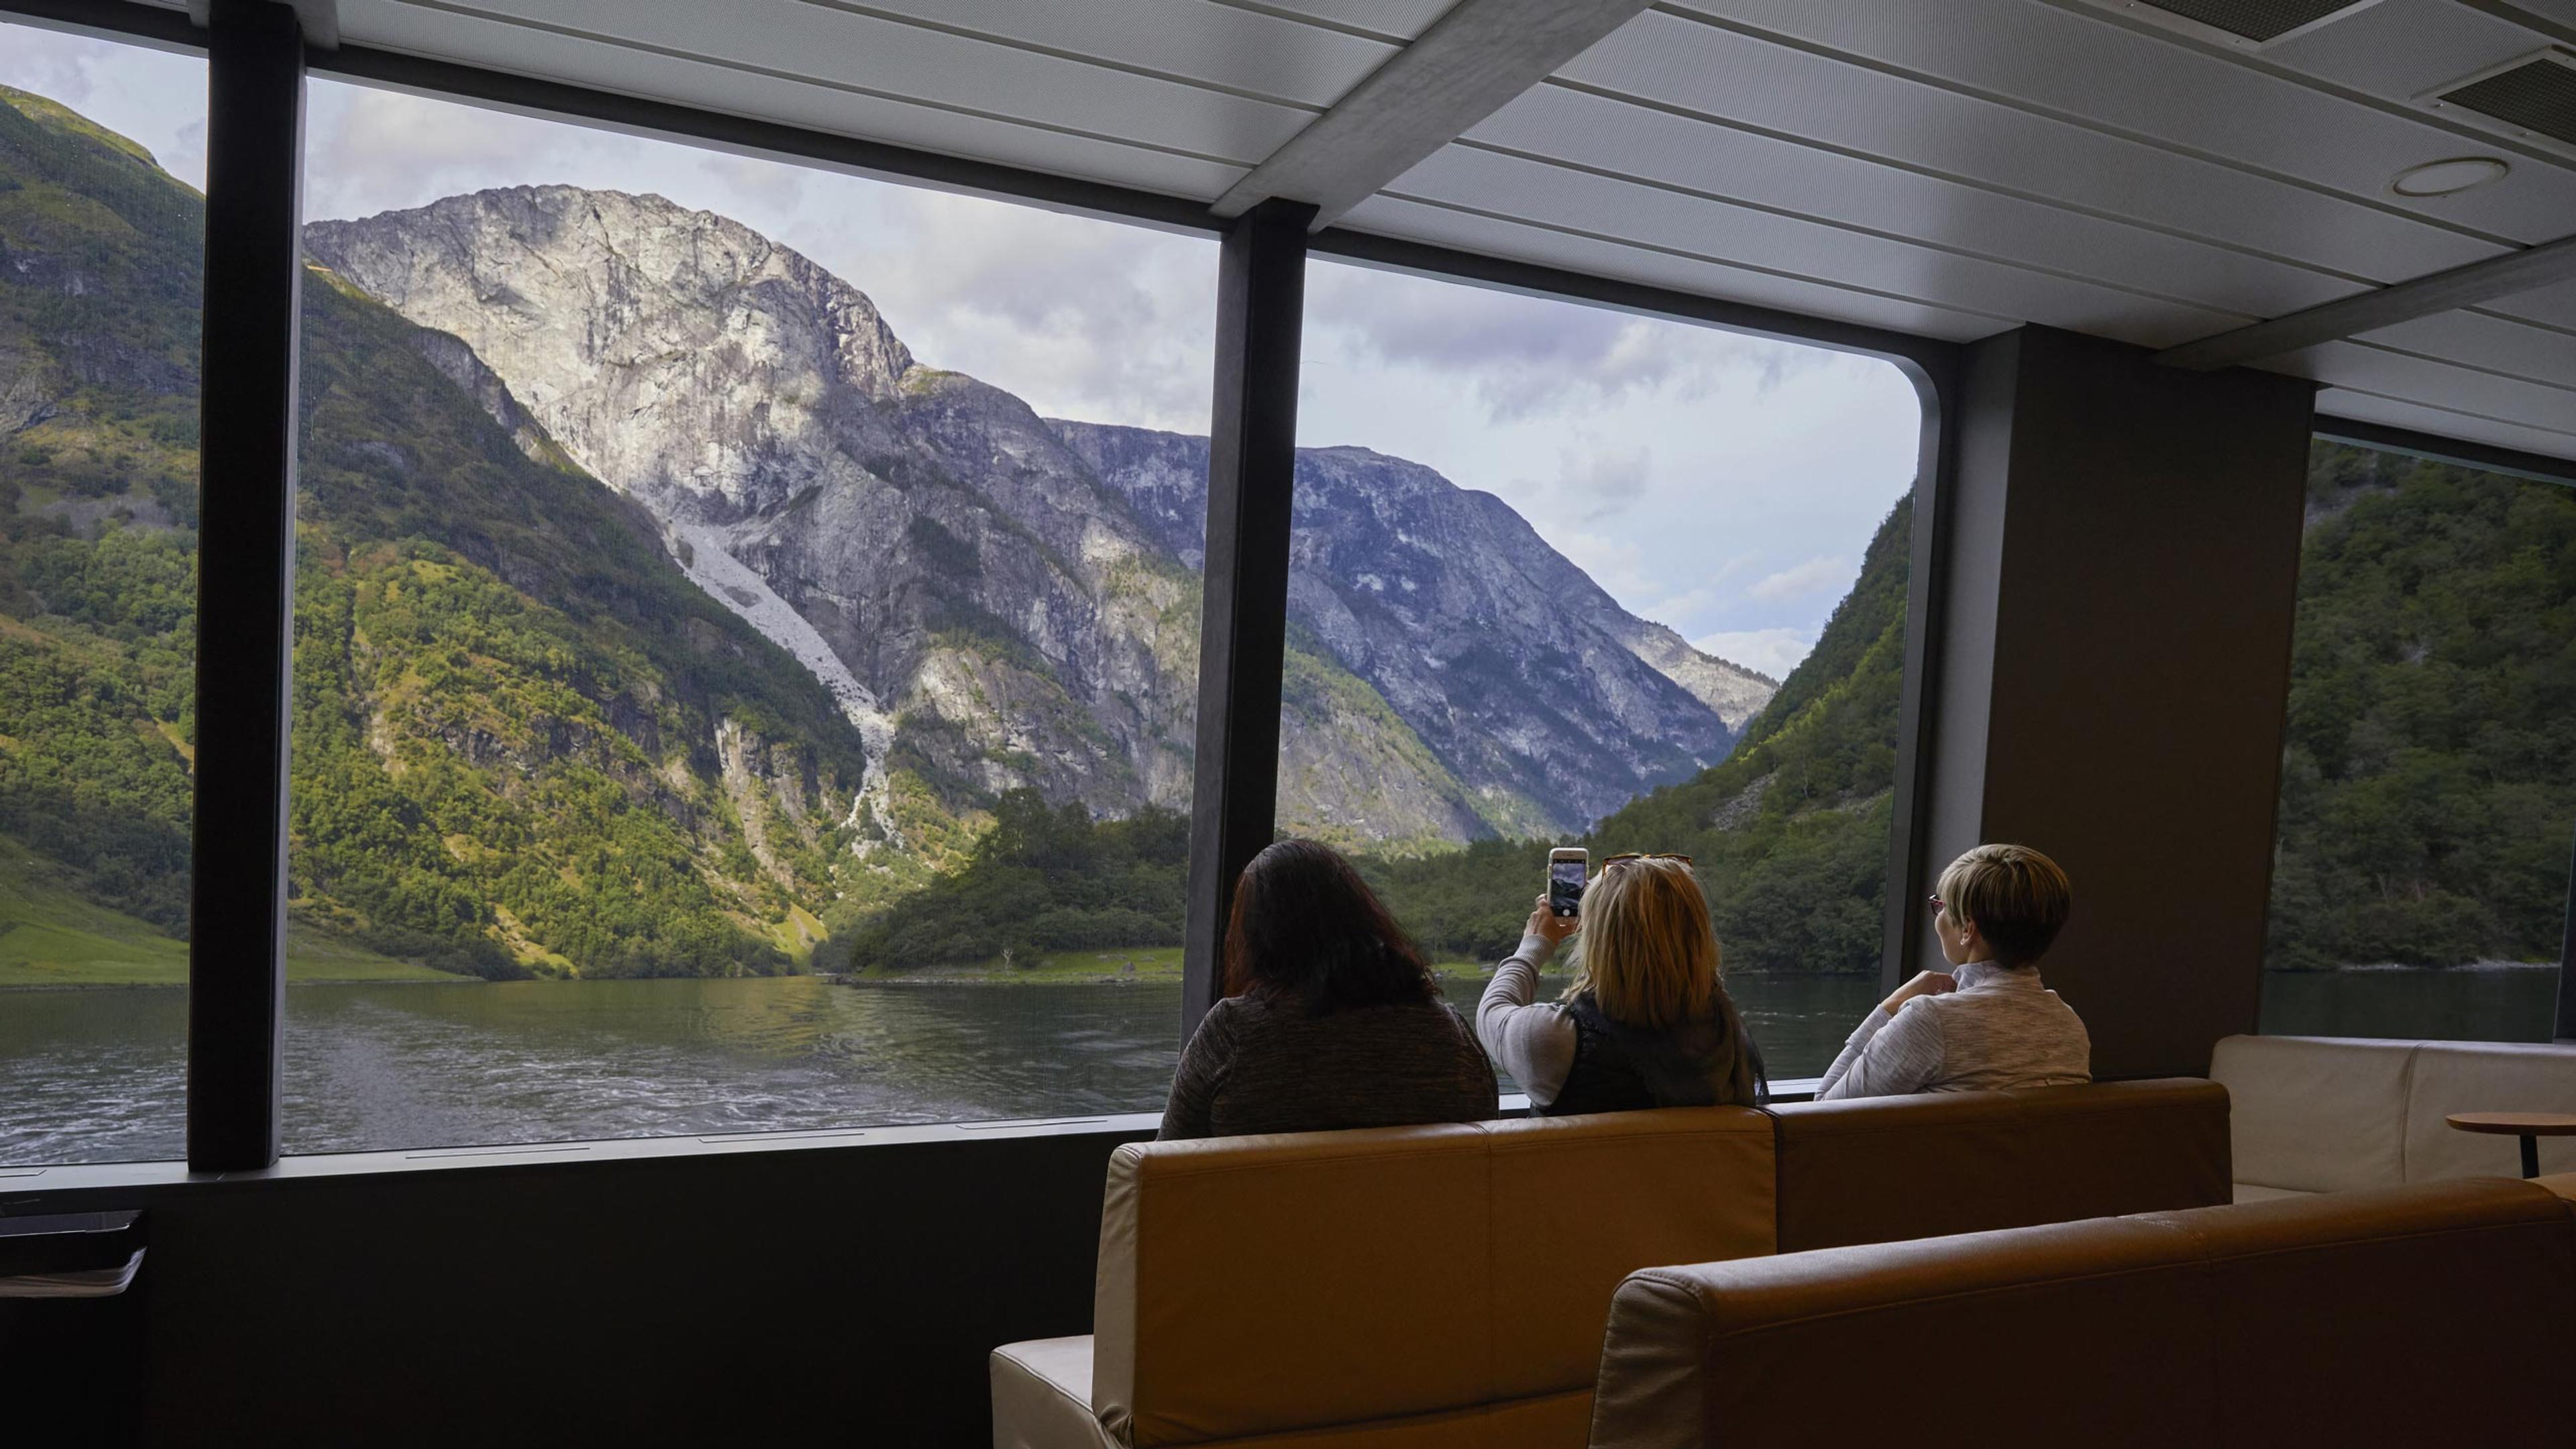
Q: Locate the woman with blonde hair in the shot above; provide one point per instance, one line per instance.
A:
(1647, 1021)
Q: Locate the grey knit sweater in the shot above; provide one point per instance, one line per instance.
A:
(2001, 1028)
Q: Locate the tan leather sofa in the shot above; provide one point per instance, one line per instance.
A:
(1448, 1284)
(2431, 1314)
(2331, 1114)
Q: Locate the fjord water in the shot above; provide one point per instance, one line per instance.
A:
(96, 1075)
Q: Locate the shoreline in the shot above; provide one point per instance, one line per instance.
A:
(1157, 974)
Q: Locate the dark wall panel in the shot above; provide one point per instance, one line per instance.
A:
(821, 1295)
(2141, 533)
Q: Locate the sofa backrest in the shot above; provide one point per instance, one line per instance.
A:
(2434, 1313)
(1266, 1285)
(1878, 1170)
(2331, 1114)
(1262, 1285)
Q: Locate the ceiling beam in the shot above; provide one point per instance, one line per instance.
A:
(1468, 65)
(2522, 271)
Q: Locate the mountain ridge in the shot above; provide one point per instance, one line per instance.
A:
(1015, 613)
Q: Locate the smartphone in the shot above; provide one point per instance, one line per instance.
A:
(1566, 868)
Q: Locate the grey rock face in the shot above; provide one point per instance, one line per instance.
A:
(1549, 701)
(1000, 601)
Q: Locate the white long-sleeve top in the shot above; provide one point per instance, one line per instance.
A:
(1532, 1040)
(2000, 1029)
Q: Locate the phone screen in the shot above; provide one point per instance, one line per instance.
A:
(1564, 885)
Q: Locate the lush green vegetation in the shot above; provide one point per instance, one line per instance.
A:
(1789, 832)
(525, 743)
(1044, 880)
(2429, 781)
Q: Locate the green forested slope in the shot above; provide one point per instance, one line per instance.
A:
(524, 742)
(1789, 831)
(2429, 781)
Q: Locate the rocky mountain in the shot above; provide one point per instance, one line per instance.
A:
(1001, 602)
(1517, 669)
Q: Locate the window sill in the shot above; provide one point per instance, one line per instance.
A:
(18, 1184)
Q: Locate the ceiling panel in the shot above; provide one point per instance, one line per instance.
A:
(2398, 413)
(2540, 354)
(1384, 19)
(2144, 83)
(1519, 241)
(624, 70)
(765, 41)
(1581, 201)
(1590, 130)
(2365, 368)
(2549, 306)
(1244, 51)
(1782, 90)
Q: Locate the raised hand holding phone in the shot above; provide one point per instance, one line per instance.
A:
(1547, 925)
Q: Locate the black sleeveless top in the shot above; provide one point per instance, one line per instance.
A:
(1622, 1068)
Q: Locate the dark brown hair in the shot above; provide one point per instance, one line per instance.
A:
(1305, 925)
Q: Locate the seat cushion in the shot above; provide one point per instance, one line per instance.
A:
(2319, 1114)
(1042, 1396)
(2485, 1077)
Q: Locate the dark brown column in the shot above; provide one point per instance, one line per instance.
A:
(1243, 626)
(2122, 576)
(245, 582)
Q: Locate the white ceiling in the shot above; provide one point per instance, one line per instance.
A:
(1951, 169)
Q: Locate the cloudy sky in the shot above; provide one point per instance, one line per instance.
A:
(1719, 484)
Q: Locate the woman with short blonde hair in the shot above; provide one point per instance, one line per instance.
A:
(1647, 1021)
(1988, 1023)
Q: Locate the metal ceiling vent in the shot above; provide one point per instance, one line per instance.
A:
(2533, 97)
(2241, 24)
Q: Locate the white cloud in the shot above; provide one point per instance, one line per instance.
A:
(1772, 651)
(1616, 564)
(1814, 576)
(1603, 483)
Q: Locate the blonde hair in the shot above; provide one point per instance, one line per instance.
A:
(1647, 953)
(2017, 897)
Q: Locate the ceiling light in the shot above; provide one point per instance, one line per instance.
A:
(2447, 178)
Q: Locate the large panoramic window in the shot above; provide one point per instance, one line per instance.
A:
(2428, 789)
(101, 268)
(746, 642)
(1565, 576)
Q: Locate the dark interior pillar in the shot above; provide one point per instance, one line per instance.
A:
(1243, 624)
(2122, 578)
(245, 581)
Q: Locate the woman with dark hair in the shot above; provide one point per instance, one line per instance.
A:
(1330, 1019)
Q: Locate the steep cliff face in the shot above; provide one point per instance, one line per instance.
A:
(1553, 704)
(1003, 602)
(986, 612)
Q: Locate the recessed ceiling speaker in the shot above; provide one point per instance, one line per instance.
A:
(2237, 24)
(2532, 98)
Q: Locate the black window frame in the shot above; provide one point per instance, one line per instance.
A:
(254, 130)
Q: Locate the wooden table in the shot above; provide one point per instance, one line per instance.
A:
(2529, 1126)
